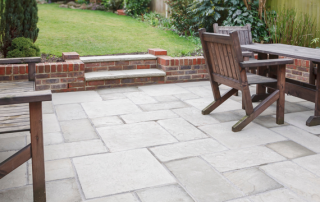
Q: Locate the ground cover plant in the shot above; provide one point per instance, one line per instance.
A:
(100, 33)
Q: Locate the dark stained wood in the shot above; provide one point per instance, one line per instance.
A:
(313, 121)
(265, 63)
(25, 97)
(317, 100)
(15, 161)
(38, 173)
(224, 57)
(312, 75)
(281, 86)
(262, 71)
(31, 71)
(20, 60)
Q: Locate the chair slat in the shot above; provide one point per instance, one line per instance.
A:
(218, 58)
(214, 63)
(232, 62)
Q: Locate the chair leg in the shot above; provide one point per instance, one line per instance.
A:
(256, 112)
(281, 86)
(218, 102)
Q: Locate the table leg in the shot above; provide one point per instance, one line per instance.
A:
(315, 120)
(281, 77)
(38, 172)
(261, 90)
(312, 76)
(273, 71)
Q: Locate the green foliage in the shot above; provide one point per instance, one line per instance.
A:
(155, 20)
(289, 27)
(137, 7)
(30, 29)
(179, 15)
(239, 15)
(114, 5)
(23, 47)
(204, 13)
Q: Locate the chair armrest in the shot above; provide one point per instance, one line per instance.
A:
(247, 54)
(262, 63)
(25, 97)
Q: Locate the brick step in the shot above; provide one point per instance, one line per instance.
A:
(123, 74)
(116, 58)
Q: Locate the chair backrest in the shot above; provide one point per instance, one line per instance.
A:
(222, 53)
(244, 32)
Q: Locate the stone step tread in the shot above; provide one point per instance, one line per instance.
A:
(123, 74)
(117, 58)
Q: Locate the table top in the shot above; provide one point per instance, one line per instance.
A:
(297, 52)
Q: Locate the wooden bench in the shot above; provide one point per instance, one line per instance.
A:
(225, 65)
(21, 110)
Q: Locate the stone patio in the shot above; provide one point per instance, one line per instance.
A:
(152, 144)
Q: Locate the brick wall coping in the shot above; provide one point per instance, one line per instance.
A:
(137, 73)
(117, 58)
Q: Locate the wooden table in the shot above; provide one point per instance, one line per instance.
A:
(295, 88)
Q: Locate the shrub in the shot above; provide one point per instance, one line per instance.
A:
(204, 13)
(179, 15)
(23, 47)
(114, 5)
(137, 7)
(239, 15)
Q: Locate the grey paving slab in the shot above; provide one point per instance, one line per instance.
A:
(136, 135)
(50, 123)
(307, 104)
(228, 105)
(228, 116)
(17, 177)
(47, 107)
(106, 121)
(203, 182)
(300, 136)
(201, 91)
(57, 191)
(289, 149)
(242, 158)
(291, 107)
(75, 97)
(148, 116)
(192, 84)
(163, 105)
(117, 58)
(140, 98)
(252, 181)
(163, 89)
(311, 163)
(268, 121)
(110, 108)
(70, 112)
(66, 150)
(171, 193)
(181, 129)
(113, 173)
(13, 143)
(166, 98)
(240, 200)
(282, 195)
(113, 96)
(116, 198)
(302, 182)
(55, 170)
(117, 90)
(18, 134)
(299, 119)
(187, 149)
(50, 138)
(253, 134)
(78, 130)
(186, 96)
(291, 98)
(195, 117)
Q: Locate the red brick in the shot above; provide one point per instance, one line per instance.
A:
(172, 78)
(145, 79)
(136, 62)
(95, 64)
(20, 77)
(127, 80)
(288, 71)
(307, 63)
(199, 60)
(76, 74)
(42, 76)
(186, 67)
(15, 69)
(59, 86)
(95, 69)
(91, 87)
(22, 69)
(143, 66)
(75, 85)
(47, 68)
(291, 66)
(177, 73)
(153, 66)
(76, 67)
(82, 67)
(70, 56)
(150, 62)
(184, 77)
(122, 63)
(157, 51)
(53, 68)
(176, 61)
(50, 81)
(2, 71)
(55, 75)
(191, 72)
(297, 62)
(164, 61)
(203, 61)
(181, 61)
(65, 67)
(112, 81)
(306, 75)
(115, 68)
(296, 72)
(304, 69)
(68, 80)
(128, 67)
(59, 68)
(70, 67)
(200, 71)
(80, 79)
(197, 76)
(170, 68)
(9, 70)
(43, 87)
(157, 79)
(95, 83)
(106, 64)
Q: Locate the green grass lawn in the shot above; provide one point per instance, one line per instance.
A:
(98, 33)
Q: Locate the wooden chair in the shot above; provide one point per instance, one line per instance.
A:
(225, 65)
(21, 110)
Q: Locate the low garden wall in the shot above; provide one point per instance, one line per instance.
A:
(70, 75)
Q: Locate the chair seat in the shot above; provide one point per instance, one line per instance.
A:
(257, 79)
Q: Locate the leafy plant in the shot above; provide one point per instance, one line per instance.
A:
(289, 27)
(137, 7)
(204, 13)
(113, 5)
(179, 15)
(240, 15)
(23, 47)
(82, 1)
(315, 41)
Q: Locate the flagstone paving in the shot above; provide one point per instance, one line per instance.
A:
(152, 144)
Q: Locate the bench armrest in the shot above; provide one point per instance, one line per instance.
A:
(263, 63)
(25, 97)
(247, 54)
